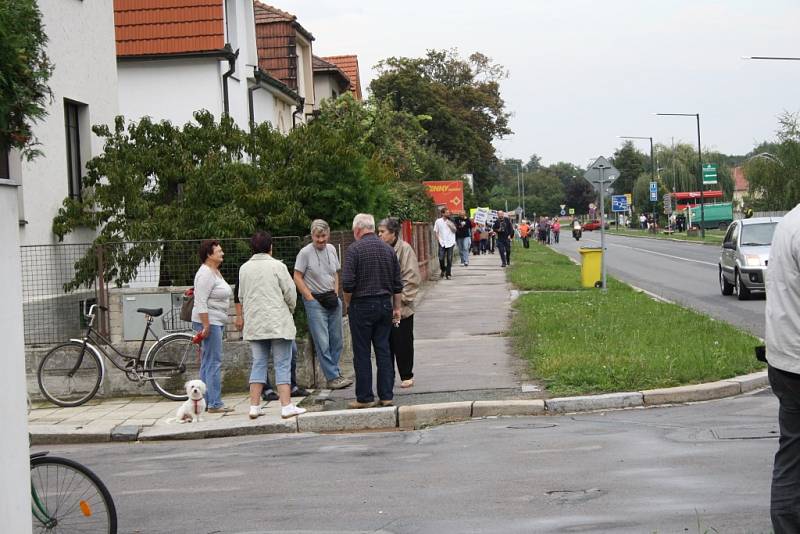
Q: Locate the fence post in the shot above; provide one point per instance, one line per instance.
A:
(101, 294)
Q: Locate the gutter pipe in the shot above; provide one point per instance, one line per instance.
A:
(230, 71)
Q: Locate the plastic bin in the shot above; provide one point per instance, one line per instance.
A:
(591, 258)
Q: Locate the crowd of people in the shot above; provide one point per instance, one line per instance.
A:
(378, 283)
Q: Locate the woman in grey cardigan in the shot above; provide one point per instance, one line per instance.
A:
(212, 297)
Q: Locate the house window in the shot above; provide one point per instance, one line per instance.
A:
(74, 166)
(5, 173)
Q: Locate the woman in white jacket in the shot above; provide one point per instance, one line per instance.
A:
(267, 298)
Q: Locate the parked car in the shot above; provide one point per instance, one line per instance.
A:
(745, 255)
(594, 224)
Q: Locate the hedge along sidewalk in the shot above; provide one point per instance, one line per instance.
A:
(582, 341)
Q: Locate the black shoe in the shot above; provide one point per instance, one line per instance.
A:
(448, 277)
(269, 396)
(300, 392)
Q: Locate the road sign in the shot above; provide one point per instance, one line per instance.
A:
(668, 204)
(563, 206)
(653, 191)
(709, 173)
(563, 213)
(601, 169)
(572, 211)
(630, 199)
(619, 203)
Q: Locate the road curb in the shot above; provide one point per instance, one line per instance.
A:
(389, 418)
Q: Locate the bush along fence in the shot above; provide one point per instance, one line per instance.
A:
(60, 282)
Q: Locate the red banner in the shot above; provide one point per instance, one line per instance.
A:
(448, 194)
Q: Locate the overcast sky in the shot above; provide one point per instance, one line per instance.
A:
(583, 72)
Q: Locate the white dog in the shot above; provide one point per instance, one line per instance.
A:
(193, 408)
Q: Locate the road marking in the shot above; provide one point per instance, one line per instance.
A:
(662, 254)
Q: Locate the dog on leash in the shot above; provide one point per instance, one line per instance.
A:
(193, 408)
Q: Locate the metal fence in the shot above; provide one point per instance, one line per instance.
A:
(54, 304)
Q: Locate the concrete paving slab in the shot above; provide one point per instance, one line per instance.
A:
(694, 393)
(507, 407)
(348, 420)
(421, 415)
(241, 426)
(609, 401)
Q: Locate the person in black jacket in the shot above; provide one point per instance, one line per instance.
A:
(504, 230)
(463, 238)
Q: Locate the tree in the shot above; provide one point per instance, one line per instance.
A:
(459, 99)
(774, 177)
(630, 163)
(24, 72)
(578, 194)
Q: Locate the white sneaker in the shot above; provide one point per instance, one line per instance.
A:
(256, 411)
(290, 410)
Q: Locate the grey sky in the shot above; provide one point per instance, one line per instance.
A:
(586, 71)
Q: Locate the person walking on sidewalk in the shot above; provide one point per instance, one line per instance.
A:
(556, 227)
(524, 232)
(268, 298)
(401, 340)
(445, 232)
(316, 274)
(503, 229)
(783, 356)
(464, 238)
(373, 298)
(212, 298)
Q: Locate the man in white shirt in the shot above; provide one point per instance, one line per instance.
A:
(783, 354)
(445, 232)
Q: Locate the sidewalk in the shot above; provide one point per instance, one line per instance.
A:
(464, 368)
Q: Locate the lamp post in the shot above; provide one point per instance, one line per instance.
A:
(699, 168)
(652, 163)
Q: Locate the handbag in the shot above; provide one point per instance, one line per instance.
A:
(329, 299)
(188, 305)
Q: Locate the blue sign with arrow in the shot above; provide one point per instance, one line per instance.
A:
(619, 203)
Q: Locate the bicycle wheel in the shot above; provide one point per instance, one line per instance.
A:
(171, 363)
(67, 498)
(70, 374)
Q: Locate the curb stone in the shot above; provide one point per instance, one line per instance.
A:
(420, 415)
(58, 434)
(342, 420)
(752, 381)
(507, 407)
(220, 428)
(587, 403)
(698, 392)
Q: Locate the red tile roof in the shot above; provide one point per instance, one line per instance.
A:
(740, 183)
(349, 65)
(320, 65)
(157, 27)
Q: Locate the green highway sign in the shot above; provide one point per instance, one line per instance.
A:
(709, 173)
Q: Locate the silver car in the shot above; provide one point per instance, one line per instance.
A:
(745, 255)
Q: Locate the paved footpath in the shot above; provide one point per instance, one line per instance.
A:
(464, 368)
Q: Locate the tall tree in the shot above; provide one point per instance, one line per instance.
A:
(774, 177)
(630, 163)
(24, 72)
(458, 98)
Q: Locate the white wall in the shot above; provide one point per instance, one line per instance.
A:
(264, 106)
(171, 89)
(15, 505)
(82, 48)
(323, 88)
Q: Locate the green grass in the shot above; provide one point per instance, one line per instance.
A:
(593, 342)
(713, 237)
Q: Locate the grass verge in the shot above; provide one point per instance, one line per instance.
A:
(713, 237)
(586, 341)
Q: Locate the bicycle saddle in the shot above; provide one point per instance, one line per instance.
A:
(152, 312)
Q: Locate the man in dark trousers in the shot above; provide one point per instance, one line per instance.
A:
(504, 230)
(783, 355)
(372, 288)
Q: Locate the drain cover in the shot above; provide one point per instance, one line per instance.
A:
(745, 432)
(532, 426)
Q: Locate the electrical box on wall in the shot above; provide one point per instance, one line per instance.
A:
(133, 323)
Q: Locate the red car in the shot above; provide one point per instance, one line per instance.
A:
(593, 225)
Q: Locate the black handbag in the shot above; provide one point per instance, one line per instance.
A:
(329, 299)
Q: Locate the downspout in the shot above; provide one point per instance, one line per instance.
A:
(231, 70)
(299, 109)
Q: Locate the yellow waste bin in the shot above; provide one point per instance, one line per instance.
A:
(591, 258)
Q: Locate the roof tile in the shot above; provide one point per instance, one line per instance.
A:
(349, 65)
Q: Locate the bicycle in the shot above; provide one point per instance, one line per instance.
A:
(71, 373)
(68, 497)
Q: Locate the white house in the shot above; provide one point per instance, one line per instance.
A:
(84, 86)
(199, 54)
(329, 81)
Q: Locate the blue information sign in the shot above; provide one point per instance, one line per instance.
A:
(619, 203)
(653, 191)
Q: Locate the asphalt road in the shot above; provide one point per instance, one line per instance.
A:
(698, 468)
(682, 272)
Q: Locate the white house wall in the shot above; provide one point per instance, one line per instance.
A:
(263, 106)
(323, 88)
(82, 48)
(171, 90)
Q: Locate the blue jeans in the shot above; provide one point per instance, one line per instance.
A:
(268, 386)
(211, 363)
(281, 360)
(370, 326)
(326, 330)
(464, 244)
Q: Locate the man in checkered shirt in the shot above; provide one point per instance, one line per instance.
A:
(372, 293)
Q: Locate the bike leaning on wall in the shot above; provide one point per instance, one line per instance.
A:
(71, 373)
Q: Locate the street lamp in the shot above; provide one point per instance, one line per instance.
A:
(775, 58)
(699, 166)
(652, 163)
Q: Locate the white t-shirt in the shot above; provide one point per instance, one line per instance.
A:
(783, 295)
(447, 237)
